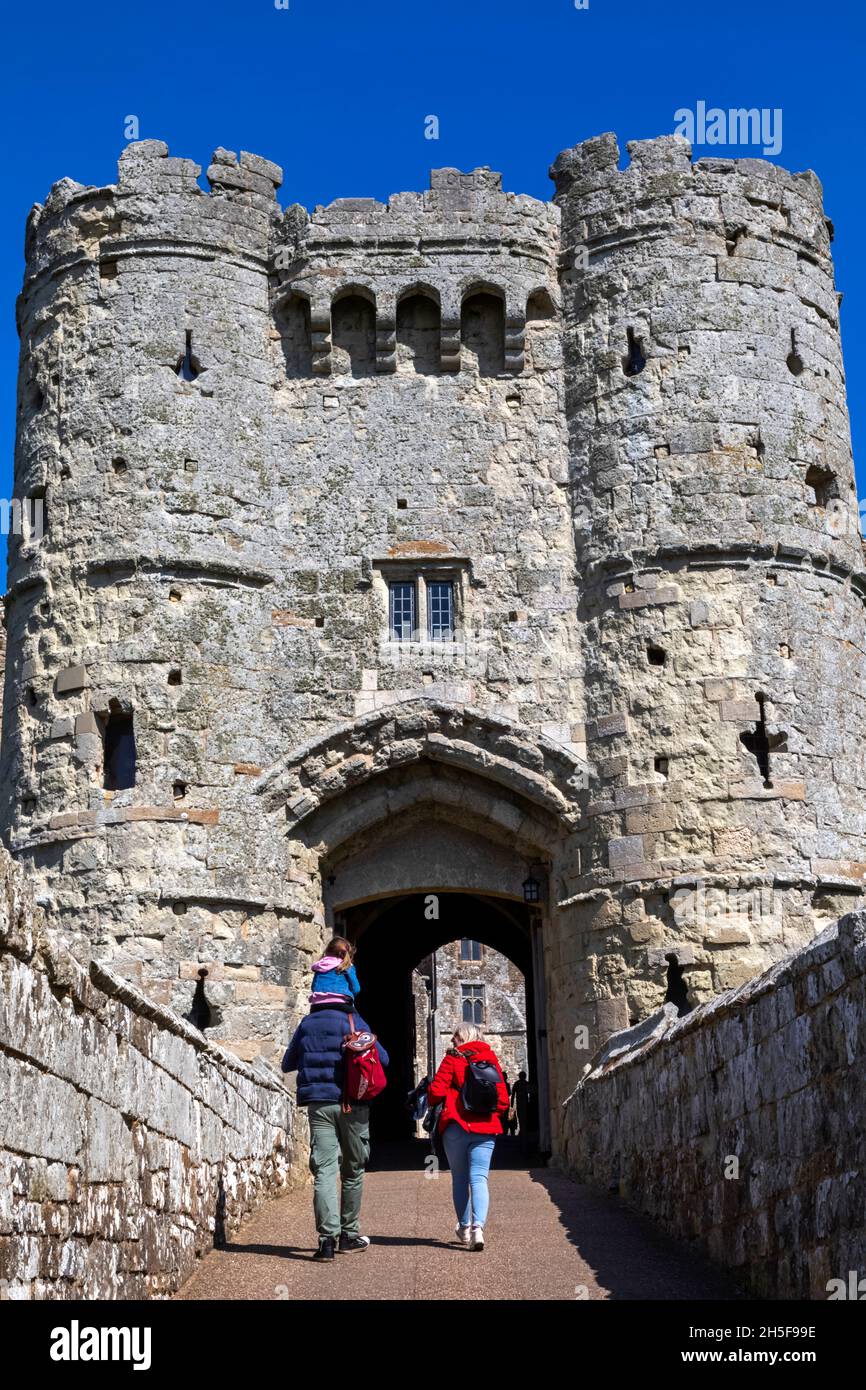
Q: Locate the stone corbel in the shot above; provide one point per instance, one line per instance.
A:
(515, 334)
(320, 336)
(449, 334)
(386, 332)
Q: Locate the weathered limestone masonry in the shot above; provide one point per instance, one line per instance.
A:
(247, 426)
(218, 546)
(721, 592)
(770, 1076)
(127, 1142)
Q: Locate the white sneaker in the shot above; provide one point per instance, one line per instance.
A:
(477, 1238)
(463, 1234)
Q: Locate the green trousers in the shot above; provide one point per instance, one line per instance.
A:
(339, 1143)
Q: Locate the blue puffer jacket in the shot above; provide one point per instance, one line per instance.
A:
(315, 1052)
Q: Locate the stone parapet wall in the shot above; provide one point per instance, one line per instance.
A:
(128, 1143)
(766, 1081)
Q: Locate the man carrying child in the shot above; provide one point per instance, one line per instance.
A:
(339, 1136)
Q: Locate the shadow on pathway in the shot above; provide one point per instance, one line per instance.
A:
(548, 1238)
(629, 1254)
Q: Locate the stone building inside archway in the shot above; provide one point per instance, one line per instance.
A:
(468, 982)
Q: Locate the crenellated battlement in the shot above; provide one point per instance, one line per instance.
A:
(662, 190)
(461, 239)
(157, 200)
(594, 164)
(458, 210)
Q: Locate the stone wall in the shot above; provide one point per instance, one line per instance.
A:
(766, 1081)
(504, 1021)
(127, 1142)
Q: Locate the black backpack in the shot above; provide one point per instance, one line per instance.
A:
(479, 1092)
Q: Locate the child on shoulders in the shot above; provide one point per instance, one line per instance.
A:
(334, 977)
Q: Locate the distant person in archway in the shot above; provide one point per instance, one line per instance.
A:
(520, 1104)
(474, 1097)
(339, 1136)
(509, 1119)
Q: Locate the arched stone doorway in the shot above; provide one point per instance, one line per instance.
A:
(393, 935)
(382, 886)
(427, 798)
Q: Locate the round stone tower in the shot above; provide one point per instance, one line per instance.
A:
(135, 619)
(722, 578)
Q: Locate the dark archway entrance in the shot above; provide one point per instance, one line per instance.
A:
(393, 935)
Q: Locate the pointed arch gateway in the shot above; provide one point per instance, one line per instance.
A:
(426, 800)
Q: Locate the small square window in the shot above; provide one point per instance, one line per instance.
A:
(402, 611)
(471, 950)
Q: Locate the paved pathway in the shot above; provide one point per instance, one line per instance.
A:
(548, 1238)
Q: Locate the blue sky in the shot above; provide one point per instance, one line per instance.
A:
(337, 92)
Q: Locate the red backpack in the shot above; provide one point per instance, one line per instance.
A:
(363, 1073)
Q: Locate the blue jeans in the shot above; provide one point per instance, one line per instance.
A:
(469, 1158)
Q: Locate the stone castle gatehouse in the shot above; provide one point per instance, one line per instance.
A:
(467, 545)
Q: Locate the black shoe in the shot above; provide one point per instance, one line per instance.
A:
(348, 1244)
(327, 1248)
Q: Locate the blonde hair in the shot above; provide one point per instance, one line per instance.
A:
(468, 1032)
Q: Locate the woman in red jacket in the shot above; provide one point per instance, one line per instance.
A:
(468, 1135)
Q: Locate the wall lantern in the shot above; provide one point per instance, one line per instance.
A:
(531, 889)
